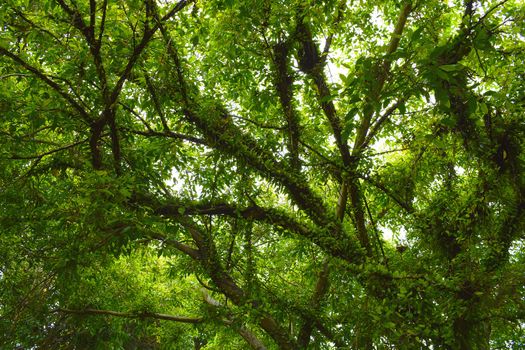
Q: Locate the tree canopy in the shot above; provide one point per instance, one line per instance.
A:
(265, 174)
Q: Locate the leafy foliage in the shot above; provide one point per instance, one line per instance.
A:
(265, 174)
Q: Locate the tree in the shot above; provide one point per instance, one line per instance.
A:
(264, 174)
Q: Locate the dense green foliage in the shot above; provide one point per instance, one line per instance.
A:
(266, 174)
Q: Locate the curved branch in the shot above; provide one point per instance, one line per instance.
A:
(186, 249)
(248, 335)
(210, 260)
(376, 127)
(321, 288)
(407, 207)
(179, 210)
(43, 77)
(42, 155)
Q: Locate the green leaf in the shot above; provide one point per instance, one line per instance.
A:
(416, 35)
(483, 108)
(452, 67)
(402, 108)
(390, 325)
(449, 121)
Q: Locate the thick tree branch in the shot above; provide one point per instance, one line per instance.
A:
(321, 288)
(311, 64)
(247, 335)
(222, 134)
(184, 248)
(156, 102)
(275, 217)
(381, 71)
(92, 16)
(211, 262)
(284, 87)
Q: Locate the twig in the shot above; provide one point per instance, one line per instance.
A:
(40, 156)
(375, 231)
(143, 314)
(168, 134)
(260, 125)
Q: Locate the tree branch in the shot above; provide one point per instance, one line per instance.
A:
(312, 65)
(211, 262)
(283, 85)
(40, 75)
(321, 288)
(42, 155)
(102, 22)
(247, 335)
(178, 6)
(184, 248)
(168, 134)
(381, 71)
(389, 193)
(376, 127)
(142, 314)
(178, 210)
(156, 103)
